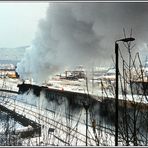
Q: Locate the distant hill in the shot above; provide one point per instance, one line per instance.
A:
(14, 62)
(12, 54)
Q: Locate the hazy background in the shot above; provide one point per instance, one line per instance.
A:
(62, 35)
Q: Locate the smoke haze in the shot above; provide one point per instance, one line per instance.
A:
(81, 34)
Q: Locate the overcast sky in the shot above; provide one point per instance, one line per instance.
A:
(19, 22)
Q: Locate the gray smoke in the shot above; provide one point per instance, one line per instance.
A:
(81, 34)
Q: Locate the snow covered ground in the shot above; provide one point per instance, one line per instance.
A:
(66, 131)
(9, 84)
(93, 89)
(78, 86)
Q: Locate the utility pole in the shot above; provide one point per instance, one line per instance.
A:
(116, 97)
(116, 90)
(86, 106)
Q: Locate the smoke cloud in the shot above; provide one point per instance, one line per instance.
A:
(81, 34)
